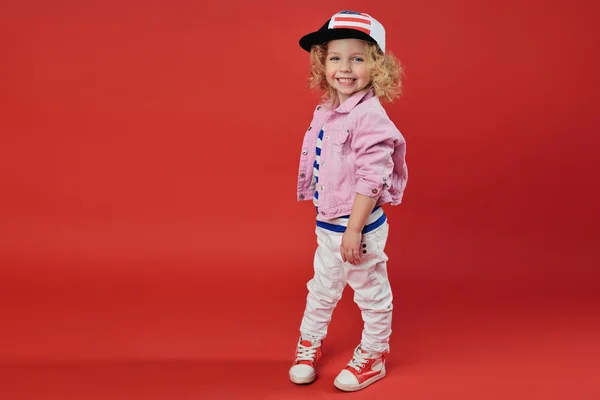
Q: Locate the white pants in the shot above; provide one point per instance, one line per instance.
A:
(369, 280)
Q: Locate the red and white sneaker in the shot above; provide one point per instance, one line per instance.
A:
(308, 354)
(363, 370)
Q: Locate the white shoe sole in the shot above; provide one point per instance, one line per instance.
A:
(303, 380)
(353, 388)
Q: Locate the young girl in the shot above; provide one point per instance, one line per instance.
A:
(352, 162)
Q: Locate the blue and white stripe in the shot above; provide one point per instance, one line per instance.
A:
(316, 167)
(374, 221)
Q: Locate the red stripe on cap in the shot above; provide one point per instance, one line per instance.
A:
(358, 28)
(350, 19)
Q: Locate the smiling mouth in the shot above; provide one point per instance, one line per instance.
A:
(346, 81)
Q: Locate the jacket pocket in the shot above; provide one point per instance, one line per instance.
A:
(341, 137)
(340, 165)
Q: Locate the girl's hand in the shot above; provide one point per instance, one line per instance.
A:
(350, 248)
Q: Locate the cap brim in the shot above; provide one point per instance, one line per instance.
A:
(324, 36)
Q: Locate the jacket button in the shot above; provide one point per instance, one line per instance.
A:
(309, 128)
(305, 152)
(301, 197)
(322, 212)
(318, 108)
(364, 252)
(374, 191)
(364, 245)
(326, 137)
(302, 175)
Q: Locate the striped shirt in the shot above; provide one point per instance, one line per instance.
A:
(316, 167)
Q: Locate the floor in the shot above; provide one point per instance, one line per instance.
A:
(146, 341)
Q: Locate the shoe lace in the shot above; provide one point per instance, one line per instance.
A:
(306, 353)
(359, 360)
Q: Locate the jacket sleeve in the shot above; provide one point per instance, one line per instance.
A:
(373, 141)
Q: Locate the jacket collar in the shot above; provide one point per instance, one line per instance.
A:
(354, 100)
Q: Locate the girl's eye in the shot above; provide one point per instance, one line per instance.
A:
(334, 58)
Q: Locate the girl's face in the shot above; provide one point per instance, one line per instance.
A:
(346, 68)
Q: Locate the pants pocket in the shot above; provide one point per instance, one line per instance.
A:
(381, 235)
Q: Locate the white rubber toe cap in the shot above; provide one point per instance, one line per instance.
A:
(302, 373)
(346, 378)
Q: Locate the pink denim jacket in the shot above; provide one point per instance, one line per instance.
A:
(362, 152)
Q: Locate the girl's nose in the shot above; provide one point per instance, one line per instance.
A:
(345, 66)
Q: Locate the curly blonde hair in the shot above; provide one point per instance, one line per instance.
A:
(386, 72)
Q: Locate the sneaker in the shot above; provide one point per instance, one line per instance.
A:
(307, 355)
(363, 370)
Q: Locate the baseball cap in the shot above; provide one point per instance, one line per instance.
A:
(347, 25)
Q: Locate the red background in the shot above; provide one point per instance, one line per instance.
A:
(150, 240)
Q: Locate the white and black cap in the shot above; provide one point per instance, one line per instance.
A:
(347, 25)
